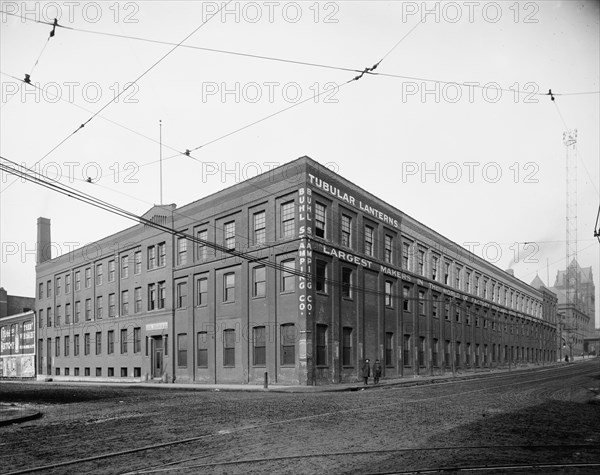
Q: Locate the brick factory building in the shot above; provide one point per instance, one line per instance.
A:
(323, 274)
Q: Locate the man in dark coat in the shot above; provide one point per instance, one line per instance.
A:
(366, 371)
(376, 371)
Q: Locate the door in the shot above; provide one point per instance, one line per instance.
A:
(157, 357)
(49, 357)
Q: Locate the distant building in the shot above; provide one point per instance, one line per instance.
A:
(297, 272)
(577, 317)
(13, 304)
(17, 345)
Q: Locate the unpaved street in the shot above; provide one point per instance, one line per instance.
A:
(533, 417)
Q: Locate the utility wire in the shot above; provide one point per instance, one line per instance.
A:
(34, 177)
(129, 85)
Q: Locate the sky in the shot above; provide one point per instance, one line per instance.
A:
(455, 128)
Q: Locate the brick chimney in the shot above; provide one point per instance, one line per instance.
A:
(44, 244)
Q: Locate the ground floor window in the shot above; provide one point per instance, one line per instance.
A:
(259, 341)
(288, 344)
(229, 347)
(346, 346)
(321, 345)
(389, 349)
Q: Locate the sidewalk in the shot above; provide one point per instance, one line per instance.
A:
(11, 414)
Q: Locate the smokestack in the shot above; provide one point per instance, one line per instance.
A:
(510, 271)
(44, 249)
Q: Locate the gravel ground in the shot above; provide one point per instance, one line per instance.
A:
(543, 417)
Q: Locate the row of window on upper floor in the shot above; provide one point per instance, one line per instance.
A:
(414, 257)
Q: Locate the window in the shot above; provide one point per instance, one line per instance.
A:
(202, 349)
(137, 340)
(181, 251)
(288, 227)
(405, 254)
(368, 240)
(202, 291)
(320, 219)
(41, 290)
(421, 302)
(151, 257)
(434, 267)
(181, 294)
(88, 310)
(421, 262)
(76, 345)
(259, 281)
(288, 344)
(99, 274)
(67, 284)
(468, 281)
(406, 298)
(346, 282)
(422, 351)
(49, 317)
(346, 231)
(151, 296)
(321, 345)
(229, 234)
(259, 228)
(67, 313)
(388, 293)
(162, 254)
(111, 371)
(124, 266)
(182, 350)
(388, 246)
(124, 341)
(447, 352)
(41, 318)
(161, 294)
(457, 276)
(389, 349)
(57, 347)
(111, 305)
(258, 338)
(458, 316)
(137, 297)
(49, 288)
(447, 273)
(137, 262)
(67, 345)
(229, 287)
(86, 344)
(347, 346)
(88, 278)
(58, 285)
(76, 371)
(98, 343)
(435, 349)
(98, 308)
(98, 372)
(202, 237)
(321, 276)
(58, 316)
(110, 340)
(406, 350)
(288, 279)
(434, 306)
(111, 271)
(124, 303)
(77, 311)
(229, 347)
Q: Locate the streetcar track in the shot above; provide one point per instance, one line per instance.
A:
(557, 373)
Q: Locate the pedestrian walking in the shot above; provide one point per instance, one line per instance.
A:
(376, 371)
(366, 371)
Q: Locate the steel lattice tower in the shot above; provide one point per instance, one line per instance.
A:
(571, 274)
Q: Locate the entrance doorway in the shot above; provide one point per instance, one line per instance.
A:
(157, 356)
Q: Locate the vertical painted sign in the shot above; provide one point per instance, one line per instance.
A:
(305, 299)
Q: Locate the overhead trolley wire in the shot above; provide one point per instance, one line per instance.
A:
(128, 86)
